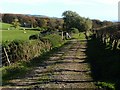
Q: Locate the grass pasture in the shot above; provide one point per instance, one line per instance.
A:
(4, 26)
(9, 35)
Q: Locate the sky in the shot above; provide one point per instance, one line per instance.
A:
(93, 9)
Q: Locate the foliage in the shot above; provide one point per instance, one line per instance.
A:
(59, 24)
(97, 23)
(78, 36)
(36, 36)
(109, 35)
(55, 39)
(8, 18)
(19, 69)
(104, 63)
(16, 23)
(41, 22)
(74, 30)
(73, 20)
(33, 21)
(87, 24)
(52, 24)
(27, 49)
(106, 85)
(24, 50)
(13, 71)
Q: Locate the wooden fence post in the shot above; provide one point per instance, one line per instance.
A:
(62, 35)
(7, 56)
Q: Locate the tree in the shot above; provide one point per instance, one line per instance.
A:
(107, 23)
(26, 21)
(74, 20)
(96, 23)
(52, 24)
(16, 23)
(87, 26)
(71, 20)
(41, 22)
(59, 24)
(8, 18)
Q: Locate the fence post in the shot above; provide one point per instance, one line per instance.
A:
(62, 35)
(7, 56)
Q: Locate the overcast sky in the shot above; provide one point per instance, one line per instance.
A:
(94, 9)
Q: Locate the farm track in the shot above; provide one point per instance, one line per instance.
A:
(66, 68)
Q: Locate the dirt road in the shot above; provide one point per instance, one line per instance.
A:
(67, 68)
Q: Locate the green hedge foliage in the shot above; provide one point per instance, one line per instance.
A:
(23, 50)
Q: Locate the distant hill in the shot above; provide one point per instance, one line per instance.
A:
(41, 16)
(115, 21)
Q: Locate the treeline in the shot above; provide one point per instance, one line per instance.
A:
(47, 22)
(97, 23)
(32, 21)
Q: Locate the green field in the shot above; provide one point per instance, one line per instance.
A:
(16, 34)
(5, 26)
(9, 35)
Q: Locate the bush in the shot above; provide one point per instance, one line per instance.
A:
(55, 39)
(106, 86)
(24, 50)
(74, 30)
(34, 37)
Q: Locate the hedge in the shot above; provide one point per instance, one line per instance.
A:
(18, 50)
(23, 50)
